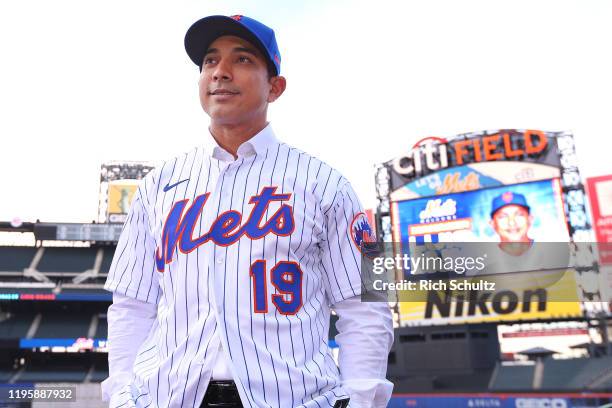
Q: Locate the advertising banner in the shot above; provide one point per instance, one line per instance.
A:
(434, 154)
(120, 194)
(466, 400)
(599, 190)
(513, 304)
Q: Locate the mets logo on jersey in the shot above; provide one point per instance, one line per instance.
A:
(361, 232)
(227, 228)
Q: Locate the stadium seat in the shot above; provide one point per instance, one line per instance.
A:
(107, 259)
(63, 325)
(593, 369)
(560, 374)
(16, 326)
(99, 373)
(56, 374)
(102, 329)
(15, 259)
(5, 375)
(512, 378)
(67, 259)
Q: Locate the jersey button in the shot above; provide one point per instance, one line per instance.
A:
(220, 260)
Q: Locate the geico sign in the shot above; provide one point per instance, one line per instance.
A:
(540, 403)
(435, 153)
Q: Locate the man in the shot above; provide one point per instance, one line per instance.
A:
(510, 217)
(233, 255)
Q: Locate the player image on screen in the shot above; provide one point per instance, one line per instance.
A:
(234, 254)
(511, 220)
(510, 217)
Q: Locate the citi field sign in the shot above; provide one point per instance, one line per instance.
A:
(434, 154)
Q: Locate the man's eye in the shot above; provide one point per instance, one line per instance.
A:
(244, 59)
(208, 61)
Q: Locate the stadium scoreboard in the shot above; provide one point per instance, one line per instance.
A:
(442, 191)
(77, 232)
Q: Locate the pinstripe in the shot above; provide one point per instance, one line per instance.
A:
(144, 361)
(117, 260)
(339, 254)
(250, 292)
(145, 351)
(347, 221)
(237, 274)
(161, 173)
(197, 287)
(142, 270)
(198, 297)
(200, 229)
(225, 281)
(297, 168)
(135, 259)
(312, 258)
(186, 292)
(174, 296)
(176, 383)
(229, 350)
(264, 257)
(278, 335)
(143, 229)
(164, 290)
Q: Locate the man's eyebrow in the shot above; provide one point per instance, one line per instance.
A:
(210, 51)
(251, 51)
(245, 49)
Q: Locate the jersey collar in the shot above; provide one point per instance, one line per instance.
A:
(255, 145)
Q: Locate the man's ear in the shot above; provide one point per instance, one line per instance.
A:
(492, 223)
(278, 85)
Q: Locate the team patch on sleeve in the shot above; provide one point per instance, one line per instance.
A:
(361, 232)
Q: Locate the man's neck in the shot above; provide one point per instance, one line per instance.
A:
(516, 248)
(230, 137)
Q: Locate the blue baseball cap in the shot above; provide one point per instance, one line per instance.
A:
(508, 198)
(206, 30)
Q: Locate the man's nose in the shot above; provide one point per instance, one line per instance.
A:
(222, 71)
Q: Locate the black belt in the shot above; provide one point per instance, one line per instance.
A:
(224, 394)
(221, 394)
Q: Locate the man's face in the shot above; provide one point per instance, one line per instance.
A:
(234, 84)
(512, 223)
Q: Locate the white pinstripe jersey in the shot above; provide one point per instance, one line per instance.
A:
(249, 253)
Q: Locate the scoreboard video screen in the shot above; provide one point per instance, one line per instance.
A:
(464, 191)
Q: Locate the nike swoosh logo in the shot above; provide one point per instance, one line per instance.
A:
(171, 186)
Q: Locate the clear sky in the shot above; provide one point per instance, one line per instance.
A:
(83, 82)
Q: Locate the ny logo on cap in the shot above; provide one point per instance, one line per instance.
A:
(236, 17)
(507, 196)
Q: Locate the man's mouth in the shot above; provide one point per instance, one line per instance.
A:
(223, 92)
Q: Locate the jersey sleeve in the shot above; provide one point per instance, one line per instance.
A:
(132, 272)
(341, 255)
